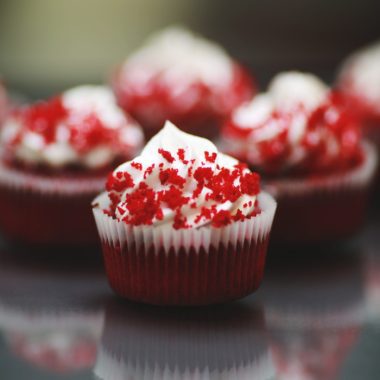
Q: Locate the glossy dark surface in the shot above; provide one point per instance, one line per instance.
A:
(316, 316)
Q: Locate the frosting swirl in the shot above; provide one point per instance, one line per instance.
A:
(360, 79)
(179, 57)
(298, 126)
(81, 127)
(182, 180)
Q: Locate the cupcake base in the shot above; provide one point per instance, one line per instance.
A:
(185, 267)
(46, 210)
(328, 208)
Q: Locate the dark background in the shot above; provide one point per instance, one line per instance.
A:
(46, 46)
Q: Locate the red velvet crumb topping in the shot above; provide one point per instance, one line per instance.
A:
(142, 205)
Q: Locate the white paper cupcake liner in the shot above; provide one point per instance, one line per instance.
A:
(165, 236)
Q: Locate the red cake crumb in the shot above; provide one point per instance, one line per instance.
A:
(143, 205)
(221, 218)
(166, 154)
(181, 156)
(210, 157)
(148, 171)
(119, 182)
(136, 165)
(170, 176)
(44, 117)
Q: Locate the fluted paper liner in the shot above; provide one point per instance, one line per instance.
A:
(22, 180)
(358, 177)
(115, 232)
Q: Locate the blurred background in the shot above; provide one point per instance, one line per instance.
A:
(47, 46)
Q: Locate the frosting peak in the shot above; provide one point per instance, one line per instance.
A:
(182, 180)
(291, 89)
(360, 77)
(177, 54)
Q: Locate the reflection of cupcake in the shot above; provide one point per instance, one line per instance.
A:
(313, 315)
(359, 80)
(372, 283)
(183, 224)
(181, 77)
(49, 318)
(54, 159)
(305, 142)
(145, 343)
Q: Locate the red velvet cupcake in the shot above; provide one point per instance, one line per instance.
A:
(183, 224)
(359, 80)
(306, 143)
(54, 159)
(4, 103)
(181, 77)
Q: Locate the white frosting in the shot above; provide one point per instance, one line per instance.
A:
(287, 92)
(291, 89)
(171, 139)
(180, 58)
(94, 99)
(80, 102)
(3, 102)
(363, 72)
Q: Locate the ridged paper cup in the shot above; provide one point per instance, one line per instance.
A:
(324, 208)
(39, 209)
(161, 265)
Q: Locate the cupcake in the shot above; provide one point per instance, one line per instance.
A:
(49, 317)
(54, 159)
(4, 104)
(304, 141)
(314, 312)
(150, 343)
(183, 224)
(181, 77)
(359, 80)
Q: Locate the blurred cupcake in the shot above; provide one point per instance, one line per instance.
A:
(222, 343)
(4, 103)
(54, 159)
(359, 80)
(49, 318)
(314, 311)
(181, 77)
(183, 224)
(306, 144)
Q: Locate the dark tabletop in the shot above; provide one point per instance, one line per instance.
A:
(316, 316)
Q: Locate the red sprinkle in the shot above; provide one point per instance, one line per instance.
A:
(136, 165)
(170, 176)
(166, 155)
(210, 157)
(181, 156)
(143, 205)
